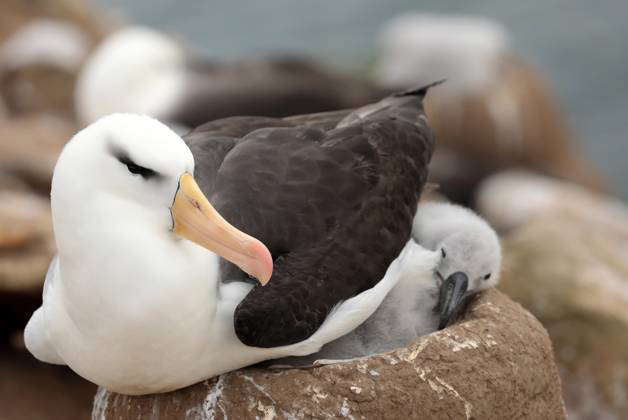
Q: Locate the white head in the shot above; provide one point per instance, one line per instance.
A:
(419, 48)
(131, 175)
(476, 253)
(136, 70)
(102, 158)
(470, 253)
(471, 262)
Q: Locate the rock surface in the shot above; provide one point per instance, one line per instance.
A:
(37, 79)
(15, 13)
(26, 248)
(512, 198)
(32, 390)
(26, 242)
(570, 269)
(30, 146)
(496, 364)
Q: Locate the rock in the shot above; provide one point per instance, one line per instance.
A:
(65, 48)
(38, 88)
(570, 269)
(33, 390)
(494, 112)
(4, 112)
(30, 146)
(496, 364)
(15, 13)
(28, 151)
(512, 198)
(39, 77)
(26, 242)
(26, 248)
(10, 182)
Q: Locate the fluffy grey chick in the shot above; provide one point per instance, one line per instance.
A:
(427, 297)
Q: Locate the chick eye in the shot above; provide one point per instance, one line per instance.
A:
(136, 169)
(442, 251)
(488, 276)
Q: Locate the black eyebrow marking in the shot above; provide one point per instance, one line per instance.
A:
(134, 168)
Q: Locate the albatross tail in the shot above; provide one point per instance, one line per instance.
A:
(401, 105)
(419, 91)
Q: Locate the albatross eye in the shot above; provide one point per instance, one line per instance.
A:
(488, 276)
(443, 253)
(136, 169)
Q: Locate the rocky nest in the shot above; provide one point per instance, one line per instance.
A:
(496, 363)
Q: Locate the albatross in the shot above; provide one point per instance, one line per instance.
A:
(165, 79)
(324, 204)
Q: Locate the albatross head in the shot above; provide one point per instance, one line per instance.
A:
(136, 69)
(134, 168)
(470, 262)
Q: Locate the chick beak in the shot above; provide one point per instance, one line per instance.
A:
(195, 219)
(452, 298)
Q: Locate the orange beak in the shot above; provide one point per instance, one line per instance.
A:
(197, 220)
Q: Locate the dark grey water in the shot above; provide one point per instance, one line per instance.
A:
(580, 45)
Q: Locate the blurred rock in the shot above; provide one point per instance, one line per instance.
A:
(38, 76)
(26, 242)
(496, 364)
(15, 13)
(29, 148)
(65, 48)
(494, 112)
(570, 269)
(513, 198)
(12, 183)
(38, 88)
(4, 112)
(32, 390)
(26, 248)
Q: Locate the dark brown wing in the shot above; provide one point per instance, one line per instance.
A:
(322, 120)
(339, 227)
(334, 207)
(212, 141)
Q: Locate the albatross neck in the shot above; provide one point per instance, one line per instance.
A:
(127, 256)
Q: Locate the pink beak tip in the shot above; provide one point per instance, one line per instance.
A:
(265, 261)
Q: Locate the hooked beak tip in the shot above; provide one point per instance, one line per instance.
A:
(265, 262)
(195, 219)
(452, 296)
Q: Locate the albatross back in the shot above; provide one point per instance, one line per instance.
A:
(331, 195)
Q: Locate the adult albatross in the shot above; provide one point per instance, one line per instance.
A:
(131, 305)
(168, 80)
